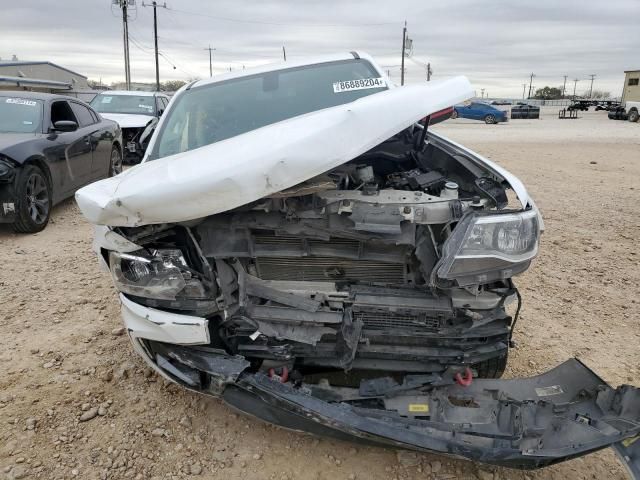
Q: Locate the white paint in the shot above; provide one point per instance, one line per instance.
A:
(161, 326)
(236, 171)
(128, 120)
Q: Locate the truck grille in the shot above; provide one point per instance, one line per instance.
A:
(307, 269)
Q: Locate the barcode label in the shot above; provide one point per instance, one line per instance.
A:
(359, 84)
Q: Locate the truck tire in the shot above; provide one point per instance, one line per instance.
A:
(633, 115)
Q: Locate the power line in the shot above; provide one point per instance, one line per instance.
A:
(531, 83)
(154, 4)
(210, 60)
(286, 24)
(164, 55)
(593, 75)
(124, 5)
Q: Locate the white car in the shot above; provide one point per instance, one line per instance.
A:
(137, 113)
(299, 243)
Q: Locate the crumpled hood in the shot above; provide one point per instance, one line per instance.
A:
(127, 120)
(239, 170)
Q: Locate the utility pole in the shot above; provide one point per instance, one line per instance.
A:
(404, 42)
(482, 93)
(124, 5)
(210, 60)
(530, 84)
(564, 86)
(284, 53)
(593, 75)
(524, 88)
(575, 84)
(154, 4)
(429, 72)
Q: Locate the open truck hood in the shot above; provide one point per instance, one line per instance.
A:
(233, 172)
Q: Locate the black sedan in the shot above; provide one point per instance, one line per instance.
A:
(50, 146)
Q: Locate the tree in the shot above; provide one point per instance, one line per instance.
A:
(548, 93)
(600, 94)
(171, 85)
(93, 84)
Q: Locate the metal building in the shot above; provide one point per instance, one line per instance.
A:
(39, 77)
(631, 89)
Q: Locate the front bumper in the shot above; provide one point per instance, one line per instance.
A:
(8, 202)
(520, 423)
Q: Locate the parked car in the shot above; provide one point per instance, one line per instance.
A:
(480, 111)
(582, 105)
(629, 111)
(501, 102)
(525, 111)
(607, 105)
(296, 243)
(50, 146)
(137, 113)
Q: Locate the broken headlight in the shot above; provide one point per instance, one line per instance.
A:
(160, 274)
(484, 248)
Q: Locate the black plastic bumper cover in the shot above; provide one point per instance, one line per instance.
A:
(519, 423)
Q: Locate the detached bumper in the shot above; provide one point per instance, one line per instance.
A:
(520, 423)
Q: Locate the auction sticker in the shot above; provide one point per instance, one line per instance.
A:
(21, 101)
(359, 84)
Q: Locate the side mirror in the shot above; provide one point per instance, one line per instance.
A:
(65, 126)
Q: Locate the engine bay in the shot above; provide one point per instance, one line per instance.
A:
(336, 276)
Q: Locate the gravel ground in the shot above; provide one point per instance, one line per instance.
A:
(76, 403)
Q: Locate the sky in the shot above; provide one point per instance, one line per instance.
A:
(497, 44)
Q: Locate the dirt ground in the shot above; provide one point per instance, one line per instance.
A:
(63, 359)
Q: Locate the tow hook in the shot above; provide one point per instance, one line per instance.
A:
(282, 375)
(466, 380)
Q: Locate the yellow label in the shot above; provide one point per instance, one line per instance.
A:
(418, 407)
(626, 442)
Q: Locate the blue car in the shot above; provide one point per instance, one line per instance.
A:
(480, 111)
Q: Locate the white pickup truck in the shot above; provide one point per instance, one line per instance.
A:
(633, 111)
(629, 111)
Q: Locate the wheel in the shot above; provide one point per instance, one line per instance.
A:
(454, 115)
(115, 165)
(33, 194)
(492, 368)
(489, 119)
(633, 116)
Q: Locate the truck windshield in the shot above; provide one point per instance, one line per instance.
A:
(20, 115)
(210, 113)
(131, 104)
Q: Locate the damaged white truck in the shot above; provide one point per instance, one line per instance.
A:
(298, 242)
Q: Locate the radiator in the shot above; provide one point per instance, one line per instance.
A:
(386, 320)
(316, 268)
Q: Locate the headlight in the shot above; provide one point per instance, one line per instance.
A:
(160, 274)
(7, 170)
(490, 247)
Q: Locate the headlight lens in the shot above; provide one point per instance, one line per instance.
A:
(490, 247)
(7, 171)
(160, 274)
